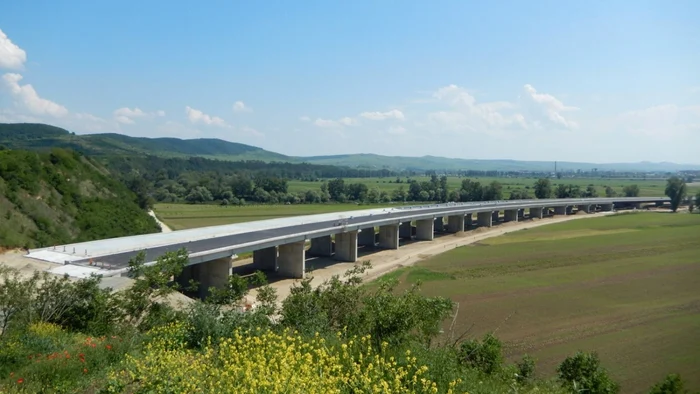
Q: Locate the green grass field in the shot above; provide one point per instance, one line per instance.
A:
(653, 187)
(626, 286)
(183, 216)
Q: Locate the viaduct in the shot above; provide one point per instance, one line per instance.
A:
(279, 245)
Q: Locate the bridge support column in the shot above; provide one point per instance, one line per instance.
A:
(569, 209)
(424, 230)
(346, 246)
(321, 246)
(521, 214)
(585, 208)
(455, 224)
(389, 236)
(607, 207)
(560, 210)
(214, 273)
(367, 237)
(439, 225)
(511, 215)
(406, 230)
(495, 217)
(468, 220)
(485, 219)
(535, 213)
(265, 259)
(292, 260)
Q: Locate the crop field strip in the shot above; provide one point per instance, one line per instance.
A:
(624, 285)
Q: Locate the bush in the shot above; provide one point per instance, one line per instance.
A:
(582, 372)
(672, 384)
(526, 369)
(484, 355)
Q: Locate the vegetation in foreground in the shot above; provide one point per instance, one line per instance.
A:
(622, 285)
(71, 336)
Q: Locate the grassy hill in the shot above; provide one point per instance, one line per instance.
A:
(60, 197)
(41, 136)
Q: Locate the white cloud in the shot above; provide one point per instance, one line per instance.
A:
(11, 56)
(326, 123)
(346, 121)
(393, 114)
(304, 118)
(549, 106)
(239, 106)
(27, 98)
(197, 116)
(127, 115)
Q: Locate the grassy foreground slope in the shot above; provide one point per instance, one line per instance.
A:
(61, 197)
(626, 286)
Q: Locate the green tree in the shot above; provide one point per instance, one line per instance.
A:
(672, 384)
(610, 192)
(675, 190)
(697, 200)
(485, 355)
(631, 191)
(582, 373)
(543, 188)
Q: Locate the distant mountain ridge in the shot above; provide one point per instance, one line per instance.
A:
(41, 136)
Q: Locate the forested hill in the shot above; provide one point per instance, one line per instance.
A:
(37, 136)
(61, 196)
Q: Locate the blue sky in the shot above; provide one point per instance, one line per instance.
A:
(597, 81)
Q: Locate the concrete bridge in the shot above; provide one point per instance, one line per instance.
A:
(279, 245)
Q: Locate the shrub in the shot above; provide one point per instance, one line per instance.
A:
(672, 384)
(582, 372)
(484, 355)
(526, 369)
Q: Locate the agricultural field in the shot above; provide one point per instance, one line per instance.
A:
(183, 216)
(626, 286)
(652, 187)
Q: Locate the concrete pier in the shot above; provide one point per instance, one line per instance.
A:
(607, 207)
(484, 219)
(495, 217)
(585, 208)
(214, 273)
(389, 236)
(346, 246)
(569, 209)
(468, 220)
(521, 214)
(424, 230)
(321, 246)
(406, 230)
(455, 224)
(292, 260)
(439, 225)
(367, 237)
(266, 259)
(511, 215)
(536, 213)
(560, 210)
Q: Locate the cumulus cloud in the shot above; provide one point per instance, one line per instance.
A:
(239, 106)
(304, 118)
(197, 116)
(326, 123)
(27, 98)
(663, 121)
(127, 115)
(347, 121)
(549, 106)
(11, 56)
(393, 114)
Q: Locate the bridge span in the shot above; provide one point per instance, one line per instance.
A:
(279, 245)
